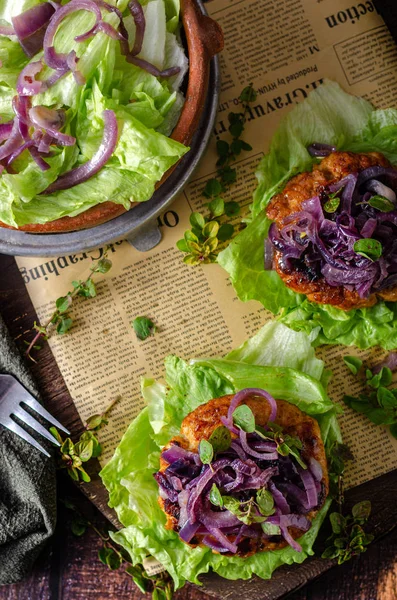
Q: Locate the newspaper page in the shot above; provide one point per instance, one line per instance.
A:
(286, 48)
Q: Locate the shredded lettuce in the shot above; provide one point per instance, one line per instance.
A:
(329, 115)
(147, 109)
(129, 478)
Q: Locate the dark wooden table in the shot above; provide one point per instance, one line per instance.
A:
(69, 569)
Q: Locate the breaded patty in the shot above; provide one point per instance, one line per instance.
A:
(200, 424)
(332, 169)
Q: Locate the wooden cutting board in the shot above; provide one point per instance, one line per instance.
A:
(19, 314)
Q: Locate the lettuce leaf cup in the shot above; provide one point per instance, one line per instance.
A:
(292, 374)
(332, 117)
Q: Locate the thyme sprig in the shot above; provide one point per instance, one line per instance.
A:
(378, 402)
(348, 538)
(60, 320)
(115, 557)
(210, 234)
(72, 455)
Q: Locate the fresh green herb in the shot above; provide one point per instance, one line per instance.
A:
(254, 510)
(73, 455)
(208, 235)
(114, 557)
(285, 444)
(244, 418)
(348, 537)
(246, 512)
(383, 378)
(333, 202)
(376, 402)
(206, 452)
(381, 203)
(143, 327)
(338, 455)
(215, 496)
(265, 501)
(220, 439)
(353, 363)
(331, 205)
(60, 320)
(369, 248)
(270, 529)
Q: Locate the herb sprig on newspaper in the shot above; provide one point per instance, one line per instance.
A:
(377, 402)
(115, 557)
(348, 537)
(73, 455)
(209, 234)
(60, 320)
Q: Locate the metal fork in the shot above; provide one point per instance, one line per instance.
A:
(12, 395)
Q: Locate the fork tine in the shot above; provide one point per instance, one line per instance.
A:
(12, 426)
(43, 412)
(29, 420)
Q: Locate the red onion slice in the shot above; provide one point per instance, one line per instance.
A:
(188, 531)
(289, 539)
(91, 167)
(251, 452)
(30, 27)
(147, 66)
(51, 121)
(27, 84)
(21, 105)
(24, 131)
(225, 543)
(310, 488)
(247, 393)
(5, 130)
(52, 58)
(19, 151)
(136, 10)
(13, 141)
(377, 187)
(279, 499)
(316, 469)
(44, 143)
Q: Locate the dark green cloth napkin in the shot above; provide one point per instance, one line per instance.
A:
(27, 484)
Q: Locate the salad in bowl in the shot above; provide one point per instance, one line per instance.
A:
(90, 96)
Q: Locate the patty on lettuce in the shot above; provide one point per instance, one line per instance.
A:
(348, 124)
(334, 231)
(262, 485)
(277, 360)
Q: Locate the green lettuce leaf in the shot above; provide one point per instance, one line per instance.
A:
(146, 108)
(331, 116)
(129, 478)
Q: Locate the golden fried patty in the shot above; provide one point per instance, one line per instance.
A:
(200, 424)
(332, 169)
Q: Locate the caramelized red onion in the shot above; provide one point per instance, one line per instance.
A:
(239, 471)
(319, 240)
